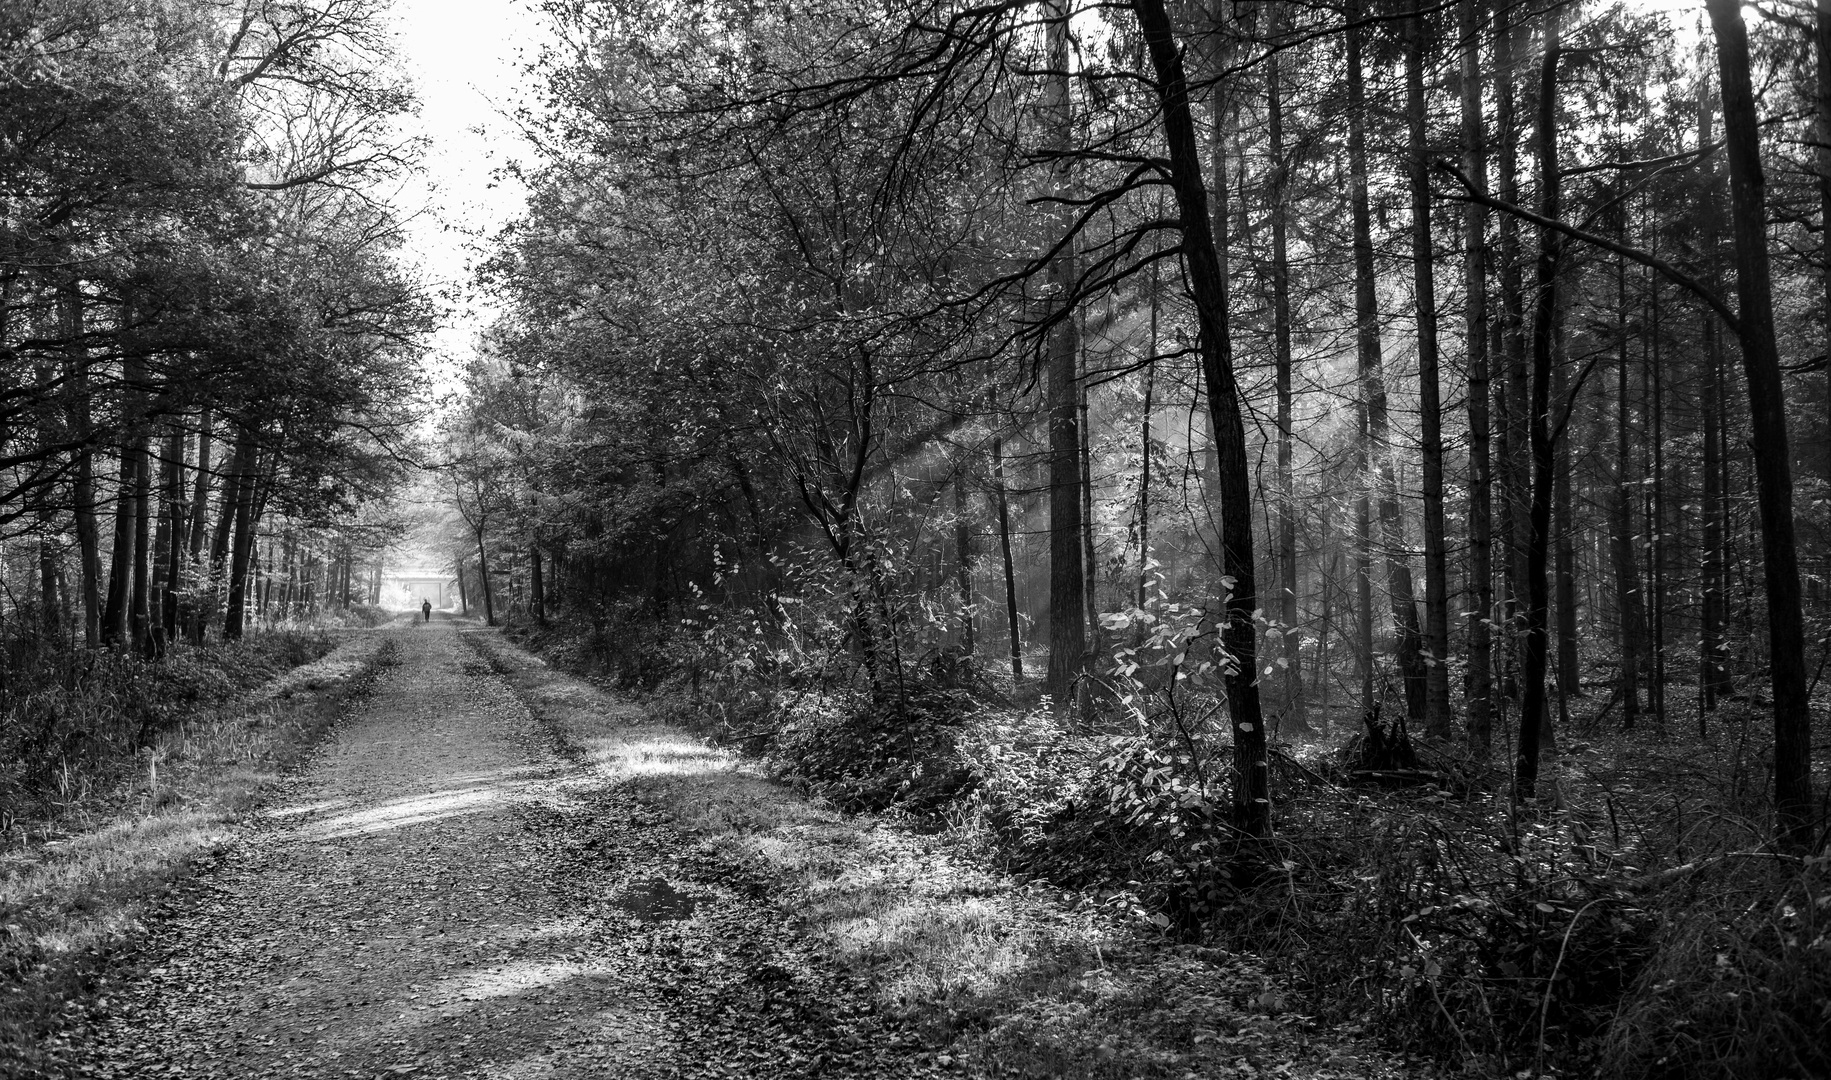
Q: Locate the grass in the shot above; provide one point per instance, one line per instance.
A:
(87, 882)
(1006, 976)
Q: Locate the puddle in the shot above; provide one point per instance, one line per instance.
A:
(655, 900)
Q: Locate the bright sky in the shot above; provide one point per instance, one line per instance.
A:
(466, 57)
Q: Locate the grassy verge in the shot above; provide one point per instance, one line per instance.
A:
(71, 896)
(1003, 976)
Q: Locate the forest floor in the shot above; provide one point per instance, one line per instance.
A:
(497, 870)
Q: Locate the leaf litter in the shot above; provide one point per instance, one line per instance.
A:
(446, 894)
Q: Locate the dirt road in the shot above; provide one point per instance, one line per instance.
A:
(444, 895)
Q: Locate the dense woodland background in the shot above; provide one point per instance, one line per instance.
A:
(1343, 480)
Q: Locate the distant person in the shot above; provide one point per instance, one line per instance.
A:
(426, 610)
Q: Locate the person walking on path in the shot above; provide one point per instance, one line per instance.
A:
(426, 610)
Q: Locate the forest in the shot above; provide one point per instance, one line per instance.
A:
(1341, 482)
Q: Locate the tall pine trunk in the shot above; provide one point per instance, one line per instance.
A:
(1516, 438)
(1437, 720)
(1533, 710)
(1768, 438)
(1481, 479)
(1630, 618)
(1292, 715)
(1367, 351)
(1067, 575)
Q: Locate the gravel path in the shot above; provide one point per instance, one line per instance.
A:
(443, 895)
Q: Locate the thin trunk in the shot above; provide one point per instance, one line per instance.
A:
(241, 552)
(963, 562)
(1437, 720)
(1563, 537)
(483, 579)
(1371, 372)
(196, 583)
(1658, 553)
(121, 552)
(1090, 593)
(1144, 451)
(537, 584)
(238, 478)
(1630, 621)
(1292, 717)
(1367, 350)
(1201, 259)
(1767, 425)
(463, 599)
(1516, 438)
(1821, 40)
(171, 543)
(1067, 577)
(1533, 711)
(123, 558)
(139, 620)
(1481, 480)
(1004, 550)
(88, 537)
(50, 613)
(1713, 669)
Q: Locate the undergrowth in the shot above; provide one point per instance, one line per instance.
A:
(84, 881)
(75, 725)
(1631, 925)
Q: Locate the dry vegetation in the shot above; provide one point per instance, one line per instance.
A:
(97, 840)
(1633, 925)
(1015, 974)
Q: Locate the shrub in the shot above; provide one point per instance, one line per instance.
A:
(1740, 984)
(867, 753)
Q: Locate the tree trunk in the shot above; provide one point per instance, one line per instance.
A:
(197, 574)
(463, 599)
(1090, 566)
(963, 562)
(238, 478)
(1563, 537)
(1768, 438)
(1437, 718)
(537, 584)
(1533, 710)
(242, 551)
(171, 542)
(88, 538)
(1516, 438)
(1292, 718)
(1252, 780)
(1821, 130)
(139, 619)
(1004, 549)
(1481, 480)
(1371, 372)
(1630, 620)
(1367, 350)
(483, 578)
(123, 558)
(1144, 454)
(1657, 554)
(1067, 577)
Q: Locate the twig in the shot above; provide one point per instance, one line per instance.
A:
(1467, 1054)
(1538, 1059)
